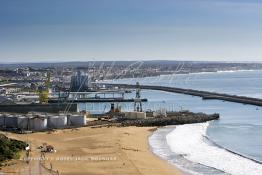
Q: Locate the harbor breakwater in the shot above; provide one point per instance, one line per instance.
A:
(204, 94)
(172, 118)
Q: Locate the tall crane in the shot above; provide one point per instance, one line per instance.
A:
(43, 90)
(137, 100)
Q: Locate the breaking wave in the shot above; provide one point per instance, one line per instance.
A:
(191, 142)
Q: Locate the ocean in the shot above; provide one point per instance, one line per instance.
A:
(230, 145)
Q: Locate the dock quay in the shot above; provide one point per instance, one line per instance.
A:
(50, 108)
(97, 100)
(204, 94)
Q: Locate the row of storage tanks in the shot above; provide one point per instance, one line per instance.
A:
(39, 122)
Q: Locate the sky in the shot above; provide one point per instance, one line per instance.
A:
(89, 30)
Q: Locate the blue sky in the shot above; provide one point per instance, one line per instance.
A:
(66, 30)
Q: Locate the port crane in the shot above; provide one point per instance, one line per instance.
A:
(137, 100)
(43, 91)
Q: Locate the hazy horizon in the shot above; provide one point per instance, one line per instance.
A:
(79, 61)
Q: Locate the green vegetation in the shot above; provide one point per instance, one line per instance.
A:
(9, 148)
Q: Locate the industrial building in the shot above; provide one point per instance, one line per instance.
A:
(79, 82)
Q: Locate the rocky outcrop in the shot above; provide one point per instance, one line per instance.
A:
(174, 118)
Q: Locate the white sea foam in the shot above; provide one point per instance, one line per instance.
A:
(189, 140)
(232, 71)
(221, 71)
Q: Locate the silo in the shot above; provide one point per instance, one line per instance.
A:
(57, 122)
(10, 121)
(77, 120)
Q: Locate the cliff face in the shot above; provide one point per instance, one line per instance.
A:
(10, 148)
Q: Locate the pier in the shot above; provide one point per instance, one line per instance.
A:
(49, 108)
(97, 100)
(204, 94)
(101, 96)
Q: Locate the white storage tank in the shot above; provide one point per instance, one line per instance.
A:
(10, 121)
(39, 123)
(1, 120)
(23, 122)
(57, 122)
(76, 120)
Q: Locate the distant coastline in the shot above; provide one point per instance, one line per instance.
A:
(188, 73)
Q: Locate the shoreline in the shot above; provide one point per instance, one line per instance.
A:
(183, 172)
(127, 146)
(200, 155)
(189, 73)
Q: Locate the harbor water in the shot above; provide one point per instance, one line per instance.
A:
(230, 145)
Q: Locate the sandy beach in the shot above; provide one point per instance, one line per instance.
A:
(113, 150)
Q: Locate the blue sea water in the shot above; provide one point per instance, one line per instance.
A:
(239, 128)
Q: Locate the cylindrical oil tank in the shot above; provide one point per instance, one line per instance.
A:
(51, 121)
(23, 122)
(77, 120)
(39, 123)
(10, 121)
(1, 120)
(57, 122)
